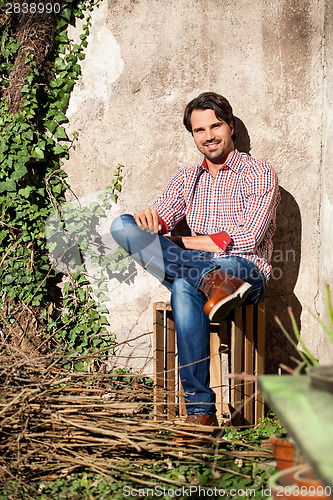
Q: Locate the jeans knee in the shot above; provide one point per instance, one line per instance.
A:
(185, 297)
(180, 287)
(119, 225)
(118, 228)
(192, 324)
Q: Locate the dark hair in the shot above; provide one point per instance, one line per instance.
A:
(209, 100)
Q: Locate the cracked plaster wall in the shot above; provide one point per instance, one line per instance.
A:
(326, 256)
(145, 60)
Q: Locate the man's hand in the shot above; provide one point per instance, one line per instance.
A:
(148, 219)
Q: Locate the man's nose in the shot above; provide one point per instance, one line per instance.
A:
(209, 136)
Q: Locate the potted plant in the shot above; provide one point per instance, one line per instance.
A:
(285, 485)
(306, 478)
(284, 451)
(288, 481)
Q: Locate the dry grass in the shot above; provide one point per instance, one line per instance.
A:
(54, 421)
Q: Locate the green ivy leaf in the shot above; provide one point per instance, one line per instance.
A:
(61, 134)
(66, 13)
(3, 146)
(50, 125)
(60, 23)
(59, 117)
(26, 191)
(29, 79)
(76, 48)
(62, 37)
(78, 366)
(64, 101)
(60, 64)
(8, 185)
(29, 134)
(37, 153)
(59, 149)
(19, 172)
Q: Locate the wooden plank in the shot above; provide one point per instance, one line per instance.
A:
(248, 364)
(181, 399)
(215, 370)
(259, 405)
(170, 378)
(236, 358)
(224, 356)
(163, 306)
(158, 354)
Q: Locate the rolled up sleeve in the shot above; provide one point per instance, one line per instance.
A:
(170, 205)
(262, 195)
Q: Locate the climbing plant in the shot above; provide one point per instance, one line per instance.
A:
(39, 308)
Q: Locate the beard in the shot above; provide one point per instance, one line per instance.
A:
(219, 150)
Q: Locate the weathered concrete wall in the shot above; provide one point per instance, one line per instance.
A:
(145, 60)
(326, 239)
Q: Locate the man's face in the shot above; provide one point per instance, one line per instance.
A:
(211, 135)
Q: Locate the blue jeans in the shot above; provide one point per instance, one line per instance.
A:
(181, 271)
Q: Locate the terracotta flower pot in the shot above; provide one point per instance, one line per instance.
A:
(283, 486)
(307, 478)
(283, 452)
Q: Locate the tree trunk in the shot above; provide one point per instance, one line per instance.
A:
(34, 32)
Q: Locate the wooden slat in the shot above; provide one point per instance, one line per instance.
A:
(215, 370)
(182, 407)
(236, 357)
(163, 306)
(248, 364)
(170, 366)
(259, 407)
(158, 347)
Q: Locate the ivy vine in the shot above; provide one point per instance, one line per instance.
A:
(33, 147)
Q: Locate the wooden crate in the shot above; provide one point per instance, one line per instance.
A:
(238, 341)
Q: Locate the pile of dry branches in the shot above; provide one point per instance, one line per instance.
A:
(54, 421)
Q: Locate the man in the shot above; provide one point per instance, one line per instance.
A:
(229, 201)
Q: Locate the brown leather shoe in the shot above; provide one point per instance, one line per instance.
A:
(224, 293)
(197, 419)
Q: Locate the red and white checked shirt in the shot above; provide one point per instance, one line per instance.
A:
(241, 200)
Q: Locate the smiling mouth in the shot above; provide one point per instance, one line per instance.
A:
(211, 145)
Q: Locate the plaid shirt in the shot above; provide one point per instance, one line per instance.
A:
(241, 200)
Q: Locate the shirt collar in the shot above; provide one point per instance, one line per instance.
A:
(233, 162)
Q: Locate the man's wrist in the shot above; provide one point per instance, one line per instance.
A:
(200, 242)
(178, 240)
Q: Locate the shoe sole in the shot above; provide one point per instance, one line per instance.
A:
(221, 310)
(201, 440)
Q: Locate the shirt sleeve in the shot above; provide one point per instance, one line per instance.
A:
(263, 196)
(165, 228)
(170, 205)
(221, 239)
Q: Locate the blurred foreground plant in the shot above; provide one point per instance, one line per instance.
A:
(308, 359)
